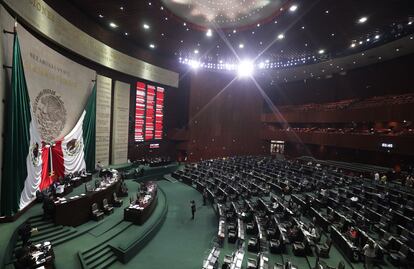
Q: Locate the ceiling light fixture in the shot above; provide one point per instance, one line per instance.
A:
(101, 16)
(113, 25)
(145, 26)
(241, 46)
(362, 20)
(322, 51)
(280, 36)
(293, 8)
(152, 46)
(245, 68)
(209, 33)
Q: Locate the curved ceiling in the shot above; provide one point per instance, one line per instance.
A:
(268, 31)
(224, 13)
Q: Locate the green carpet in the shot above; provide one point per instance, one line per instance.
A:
(181, 243)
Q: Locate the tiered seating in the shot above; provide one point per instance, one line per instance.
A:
(284, 205)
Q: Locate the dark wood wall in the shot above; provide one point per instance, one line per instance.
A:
(223, 121)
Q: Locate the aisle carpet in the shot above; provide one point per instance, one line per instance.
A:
(181, 243)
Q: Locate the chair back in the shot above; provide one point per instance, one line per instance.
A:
(341, 265)
(404, 249)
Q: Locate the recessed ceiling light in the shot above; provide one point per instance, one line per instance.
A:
(303, 27)
(377, 36)
(332, 34)
(397, 50)
(293, 8)
(162, 8)
(258, 25)
(362, 20)
(121, 8)
(410, 22)
(209, 33)
(101, 16)
(280, 36)
(145, 26)
(113, 25)
(126, 33)
(196, 51)
(353, 45)
(326, 11)
(152, 46)
(241, 45)
(234, 31)
(321, 51)
(185, 24)
(368, 39)
(149, 3)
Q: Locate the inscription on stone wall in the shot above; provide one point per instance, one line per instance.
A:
(103, 118)
(120, 123)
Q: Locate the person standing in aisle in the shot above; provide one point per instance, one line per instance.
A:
(193, 208)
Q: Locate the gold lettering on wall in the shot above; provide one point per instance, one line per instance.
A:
(48, 22)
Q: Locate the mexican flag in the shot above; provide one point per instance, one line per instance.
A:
(29, 164)
(76, 151)
(22, 156)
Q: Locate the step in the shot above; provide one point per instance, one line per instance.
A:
(107, 263)
(44, 225)
(93, 258)
(41, 237)
(48, 230)
(92, 251)
(51, 236)
(101, 260)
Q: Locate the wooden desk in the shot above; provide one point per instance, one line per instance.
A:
(77, 210)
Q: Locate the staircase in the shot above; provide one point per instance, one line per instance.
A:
(48, 231)
(98, 258)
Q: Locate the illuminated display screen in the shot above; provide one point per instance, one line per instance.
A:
(149, 112)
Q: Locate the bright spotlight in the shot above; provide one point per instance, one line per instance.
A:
(241, 45)
(321, 51)
(293, 8)
(245, 68)
(194, 64)
(280, 36)
(362, 20)
(209, 33)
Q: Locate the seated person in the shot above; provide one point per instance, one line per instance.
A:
(353, 234)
